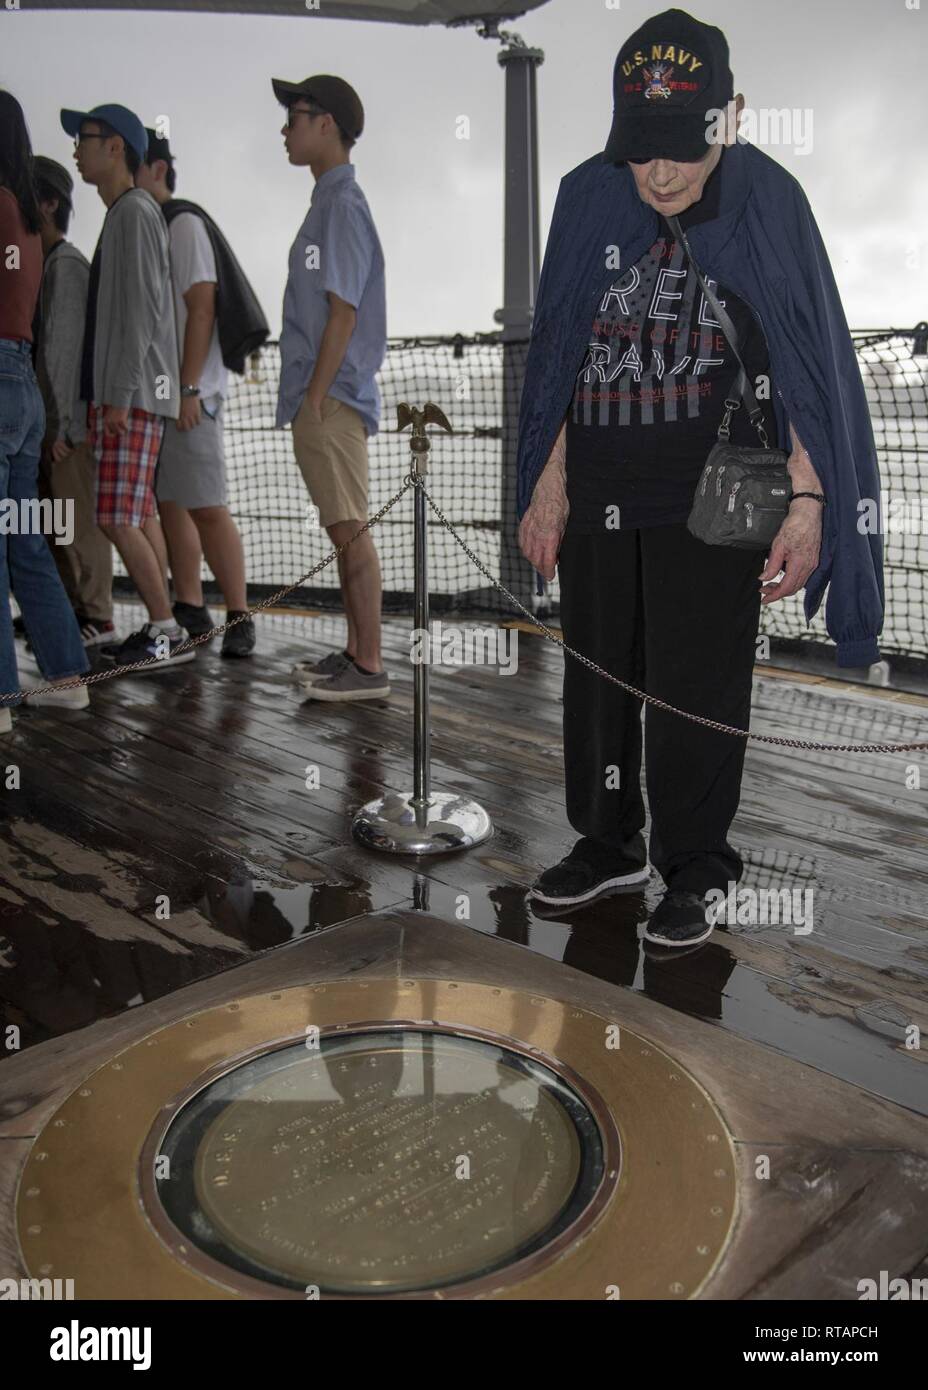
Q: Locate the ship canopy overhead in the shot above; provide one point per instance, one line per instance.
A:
(386, 11)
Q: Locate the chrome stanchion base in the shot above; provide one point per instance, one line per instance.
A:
(449, 822)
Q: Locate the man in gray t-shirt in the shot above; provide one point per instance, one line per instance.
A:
(191, 481)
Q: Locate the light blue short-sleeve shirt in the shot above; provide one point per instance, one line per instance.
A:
(337, 249)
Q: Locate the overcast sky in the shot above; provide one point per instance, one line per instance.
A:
(857, 65)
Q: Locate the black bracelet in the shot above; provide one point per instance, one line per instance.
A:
(819, 497)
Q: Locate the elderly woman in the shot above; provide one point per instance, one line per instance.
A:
(627, 373)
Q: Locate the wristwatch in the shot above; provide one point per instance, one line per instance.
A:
(190, 390)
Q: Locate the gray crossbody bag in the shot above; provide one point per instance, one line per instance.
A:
(742, 497)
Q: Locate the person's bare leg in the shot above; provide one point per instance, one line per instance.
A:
(186, 556)
(145, 570)
(362, 590)
(351, 640)
(151, 528)
(225, 554)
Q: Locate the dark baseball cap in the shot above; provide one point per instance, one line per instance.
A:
(333, 94)
(667, 76)
(125, 123)
(158, 147)
(55, 175)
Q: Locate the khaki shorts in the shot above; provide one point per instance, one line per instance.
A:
(332, 458)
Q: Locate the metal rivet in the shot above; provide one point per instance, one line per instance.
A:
(85, 1092)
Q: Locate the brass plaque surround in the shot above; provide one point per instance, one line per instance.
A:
(656, 1227)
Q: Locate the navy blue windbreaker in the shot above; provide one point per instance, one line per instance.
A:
(765, 246)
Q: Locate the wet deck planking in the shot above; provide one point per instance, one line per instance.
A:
(189, 785)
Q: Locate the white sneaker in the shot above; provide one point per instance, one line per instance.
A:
(77, 697)
(6, 719)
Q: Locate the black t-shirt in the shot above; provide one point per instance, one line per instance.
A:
(649, 396)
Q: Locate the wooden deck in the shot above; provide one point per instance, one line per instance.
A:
(168, 834)
(166, 838)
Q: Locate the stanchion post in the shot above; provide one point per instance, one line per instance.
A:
(421, 821)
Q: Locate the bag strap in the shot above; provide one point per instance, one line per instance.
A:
(741, 384)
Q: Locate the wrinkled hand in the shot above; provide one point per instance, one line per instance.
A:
(542, 527)
(795, 549)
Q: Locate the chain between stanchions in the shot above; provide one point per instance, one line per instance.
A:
(652, 699)
(413, 479)
(8, 699)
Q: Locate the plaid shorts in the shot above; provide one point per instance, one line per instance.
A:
(126, 466)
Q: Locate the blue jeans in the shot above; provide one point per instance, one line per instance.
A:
(26, 562)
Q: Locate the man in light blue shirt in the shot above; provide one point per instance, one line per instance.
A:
(332, 344)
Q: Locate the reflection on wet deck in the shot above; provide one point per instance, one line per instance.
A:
(169, 834)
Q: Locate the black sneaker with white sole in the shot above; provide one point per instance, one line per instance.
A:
(95, 632)
(151, 642)
(681, 918)
(581, 876)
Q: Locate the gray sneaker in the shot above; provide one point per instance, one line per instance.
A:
(349, 684)
(305, 672)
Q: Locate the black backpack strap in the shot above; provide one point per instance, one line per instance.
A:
(741, 385)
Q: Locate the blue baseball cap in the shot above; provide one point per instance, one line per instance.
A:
(125, 123)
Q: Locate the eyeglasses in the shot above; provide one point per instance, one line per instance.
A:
(88, 135)
(300, 111)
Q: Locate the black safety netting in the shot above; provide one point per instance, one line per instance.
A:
(476, 382)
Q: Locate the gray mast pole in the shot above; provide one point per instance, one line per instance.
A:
(521, 269)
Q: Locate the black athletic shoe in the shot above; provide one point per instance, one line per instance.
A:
(681, 918)
(582, 876)
(150, 642)
(196, 620)
(238, 640)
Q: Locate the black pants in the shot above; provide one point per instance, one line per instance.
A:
(678, 619)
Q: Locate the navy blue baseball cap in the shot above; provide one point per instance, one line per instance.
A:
(668, 76)
(125, 123)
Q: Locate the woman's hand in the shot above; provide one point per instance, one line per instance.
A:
(795, 549)
(542, 527)
(796, 545)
